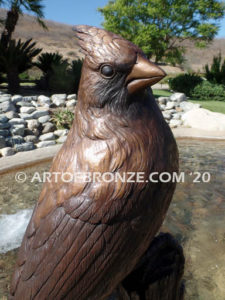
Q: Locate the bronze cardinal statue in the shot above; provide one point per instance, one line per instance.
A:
(86, 236)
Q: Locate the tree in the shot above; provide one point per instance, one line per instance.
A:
(16, 59)
(13, 13)
(158, 26)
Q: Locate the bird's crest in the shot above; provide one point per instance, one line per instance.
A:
(98, 43)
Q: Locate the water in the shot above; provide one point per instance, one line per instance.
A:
(195, 218)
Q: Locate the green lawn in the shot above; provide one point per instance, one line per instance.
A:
(216, 106)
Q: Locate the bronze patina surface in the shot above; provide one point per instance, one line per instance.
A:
(84, 238)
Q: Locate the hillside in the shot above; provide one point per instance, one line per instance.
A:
(60, 37)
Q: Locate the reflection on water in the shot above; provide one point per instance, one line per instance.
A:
(196, 217)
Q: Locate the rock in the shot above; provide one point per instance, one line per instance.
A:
(8, 151)
(39, 113)
(162, 106)
(35, 132)
(44, 119)
(6, 106)
(4, 132)
(48, 127)
(2, 142)
(43, 100)
(11, 114)
(35, 104)
(163, 100)
(45, 144)
(47, 136)
(5, 97)
(27, 109)
(201, 118)
(62, 139)
(30, 98)
(72, 97)
(170, 105)
(24, 147)
(31, 138)
(177, 116)
(17, 130)
(4, 125)
(71, 103)
(3, 119)
(16, 121)
(59, 99)
(16, 98)
(166, 115)
(32, 124)
(26, 116)
(14, 140)
(25, 104)
(186, 106)
(178, 97)
(174, 123)
(61, 132)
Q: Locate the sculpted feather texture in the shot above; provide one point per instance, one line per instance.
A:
(85, 237)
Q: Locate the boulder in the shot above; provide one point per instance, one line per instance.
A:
(45, 144)
(39, 113)
(177, 116)
(6, 106)
(47, 136)
(61, 139)
(5, 97)
(59, 99)
(17, 130)
(14, 140)
(4, 125)
(71, 103)
(4, 132)
(170, 105)
(48, 127)
(201, 118)
(16, 98)
(26, 116)
(3, 118)
(2, 142)
(16, 121)
(178, 97)
(11, 114)
(166, 115)
(24, 104)
(30, 98)
(186, 106)
(43, 100)
(32, 124)
(163, 100)
(61, 132)
(27, 109)
(7, 151)
(24, 147)
(44, 119)
(31, 138)
(175, 123)
(72, 97)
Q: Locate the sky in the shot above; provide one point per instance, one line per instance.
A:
(84, 12)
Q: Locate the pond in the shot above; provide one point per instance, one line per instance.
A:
(196, 218)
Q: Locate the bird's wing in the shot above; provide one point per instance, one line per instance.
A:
(64, 254)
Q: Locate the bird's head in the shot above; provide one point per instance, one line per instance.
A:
(114, 69)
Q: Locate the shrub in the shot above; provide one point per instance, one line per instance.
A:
(216, 74)
(184, 83)
(63, 119)
(59, 75)
(209, 91)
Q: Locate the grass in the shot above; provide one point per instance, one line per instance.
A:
(215, 106)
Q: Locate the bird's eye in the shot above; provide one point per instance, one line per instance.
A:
(107, 71)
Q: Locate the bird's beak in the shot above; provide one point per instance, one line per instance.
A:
(144, 73)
